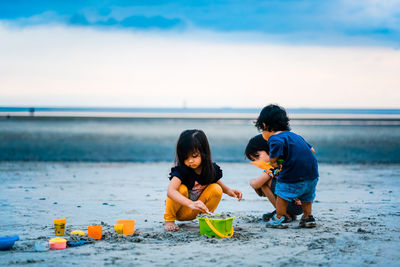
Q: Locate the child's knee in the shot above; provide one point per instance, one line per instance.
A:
(215, 189)
(253, 184)
(259, 192)
(183, 190)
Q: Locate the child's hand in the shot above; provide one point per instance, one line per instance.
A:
(199, 205)
(235, 193)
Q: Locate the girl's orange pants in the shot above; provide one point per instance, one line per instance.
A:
(211, 196)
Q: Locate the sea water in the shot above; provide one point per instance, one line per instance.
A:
(154, 140)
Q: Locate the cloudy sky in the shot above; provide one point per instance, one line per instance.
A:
(200, 53)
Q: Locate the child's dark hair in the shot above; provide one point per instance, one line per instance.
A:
(273, 118)
(255, 144)
(191, 141)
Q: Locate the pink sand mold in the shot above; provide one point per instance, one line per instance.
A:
(58, 243)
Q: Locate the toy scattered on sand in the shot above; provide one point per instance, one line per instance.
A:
(128, 227)
(212, 225)
(95, 231)
(58, 243)
(59, 226)
(216, 225)
(77, 232)
(77, 237)
(119, 228)
(41, 246)
(78, 243)
(7, 242)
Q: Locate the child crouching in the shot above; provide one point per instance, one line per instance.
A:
(257, 150)
(298, 177)
(195, 186)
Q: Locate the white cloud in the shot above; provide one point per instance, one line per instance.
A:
(60, 66)
(384, 13)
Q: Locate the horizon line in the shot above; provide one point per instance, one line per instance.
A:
(339, 110)
(318, 114)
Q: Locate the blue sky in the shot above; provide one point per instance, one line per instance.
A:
(302, 21)
(244, 54)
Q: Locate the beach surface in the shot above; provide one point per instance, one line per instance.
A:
(357, 211)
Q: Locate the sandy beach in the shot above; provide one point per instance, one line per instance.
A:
(357, 210)
(97, 97)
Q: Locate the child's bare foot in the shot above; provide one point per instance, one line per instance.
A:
(170, 226)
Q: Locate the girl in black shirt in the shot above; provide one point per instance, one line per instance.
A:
(195, 186)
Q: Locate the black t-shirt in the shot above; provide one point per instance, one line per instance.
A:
(188, 176)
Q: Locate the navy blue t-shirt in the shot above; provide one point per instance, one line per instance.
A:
(299, 163)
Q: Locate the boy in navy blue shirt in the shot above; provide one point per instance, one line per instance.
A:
(257, 150)
(299, 174)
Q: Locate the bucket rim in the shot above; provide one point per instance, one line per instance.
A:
(216, 220)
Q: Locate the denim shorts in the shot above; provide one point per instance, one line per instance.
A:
(304, 190)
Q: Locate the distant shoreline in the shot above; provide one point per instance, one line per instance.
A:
(199, 113)
(179, 115)
(4, 109)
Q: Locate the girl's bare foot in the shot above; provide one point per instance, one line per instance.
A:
(170, 226)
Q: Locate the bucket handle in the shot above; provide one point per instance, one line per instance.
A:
(216, 231)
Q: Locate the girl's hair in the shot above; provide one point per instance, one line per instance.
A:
(192, 141)
(273, 118)
(255, 144)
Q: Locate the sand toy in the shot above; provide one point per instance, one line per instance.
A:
(216, 225)
(41, 246)
(129, 226)
(59, 226)
(7, 242)
(266, 165)
(78, 243)
(263, 165)
(77, 233)
(119, 228)
(58, 243)
(95, 231)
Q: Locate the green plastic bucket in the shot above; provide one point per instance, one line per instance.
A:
(219, 228)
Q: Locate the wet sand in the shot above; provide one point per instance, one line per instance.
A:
(357, 211)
